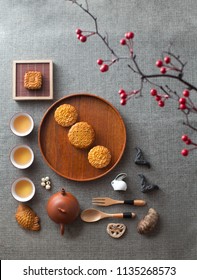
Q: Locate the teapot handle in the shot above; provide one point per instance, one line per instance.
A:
(62, 229)
(62, 210)
(120, 176)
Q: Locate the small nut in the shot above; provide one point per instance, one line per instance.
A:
(43, 184)
(47, 178)
(43, 179)
(47, 187)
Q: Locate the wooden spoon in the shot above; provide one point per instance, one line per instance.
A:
(93, 215)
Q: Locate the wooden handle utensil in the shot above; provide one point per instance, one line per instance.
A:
(93, 215)
(106, 201)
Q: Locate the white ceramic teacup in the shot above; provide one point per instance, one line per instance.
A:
(21, 124)
(22, 156)
(23, 189)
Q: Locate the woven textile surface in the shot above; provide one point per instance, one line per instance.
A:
(45, 30)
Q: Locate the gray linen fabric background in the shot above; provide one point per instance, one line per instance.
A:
(46, 30)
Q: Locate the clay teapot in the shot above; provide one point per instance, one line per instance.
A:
(63, 208)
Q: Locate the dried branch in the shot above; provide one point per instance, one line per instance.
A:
(170, 63)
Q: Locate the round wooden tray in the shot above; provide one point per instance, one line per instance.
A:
(70, 162)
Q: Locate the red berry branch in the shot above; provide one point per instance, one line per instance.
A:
(170, 66)
(188, 141)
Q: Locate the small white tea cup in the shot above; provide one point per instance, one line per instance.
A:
(23, 189)
(21, 124)
(22, 156)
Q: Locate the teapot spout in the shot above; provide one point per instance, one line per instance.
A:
(62, 229)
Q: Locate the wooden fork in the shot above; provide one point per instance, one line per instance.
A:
(106, 201)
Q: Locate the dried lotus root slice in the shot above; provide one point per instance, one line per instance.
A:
(116, 230)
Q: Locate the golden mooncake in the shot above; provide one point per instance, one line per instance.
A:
(81, 135)
(66, 115)
(33, 80)
(99, 156)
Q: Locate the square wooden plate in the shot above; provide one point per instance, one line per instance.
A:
(19, 69)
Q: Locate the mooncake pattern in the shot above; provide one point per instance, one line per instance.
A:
(33, 80)
(66, 115)
(81, 135)
(99, 156)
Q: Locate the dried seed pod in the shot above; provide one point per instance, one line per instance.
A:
(149, 222)
(27, 218)
(116, 230)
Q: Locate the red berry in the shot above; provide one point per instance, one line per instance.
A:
(123, 101)
(167, 59)
(186, 93)
(161, 103)
(183, 106)
(157, 98)
(78, 36)
(83, 38)
(188, 142)
(123, 42)
(129, 35)
(123, 95)
(121, 91)
(159, 63)
(99, 61)
(184, 152)
(78, 31)
(104, 68)
(153, 92)
(184, 137)
(182, 100)
(163, 70)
